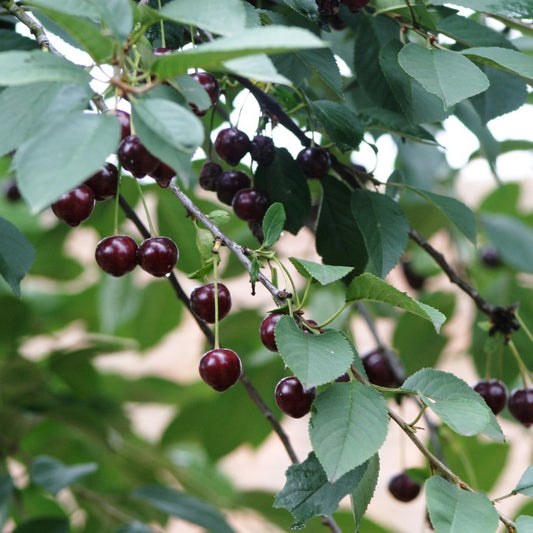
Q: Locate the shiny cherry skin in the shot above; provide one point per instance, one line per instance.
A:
(266, 331)
(262, 150)
(490, 257)
(250, 203)
(163, 174)
(520, 404)
(403, 488)
(209, 175)
(11, 191)
(220, 368)
(75, 206)
(135, 158)
(158, 256)
(314, 161)
(116, 255)
(494, 392)
(124, 118)
(210, 84)
(202, 302)
(231, 145)
(230, 183)
(104, 183)
(378, 370)
(292, 399)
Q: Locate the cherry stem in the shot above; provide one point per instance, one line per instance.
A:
(215, 280)
(162, 26)
(524, 371)
(117, 200)
(335, 315)
(523, 326)
(145, 207)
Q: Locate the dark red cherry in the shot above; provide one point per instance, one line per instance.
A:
(415, 279)
(74, 207)
(161, 51)
(220, 368)
(344, 378)
(494, 392)
(11, 191)
(133, 156)
(104, 183)
(336, 22)
(256, 227)
(163, 174)
(262, 150)
(125, 124)
(403, 488)
(378, 369)
(231, 145)
(209, 175)
(490, 257)
(314, 161)
(210, 84)
(250, 203)
(202, 302)
(229, 183)
(266, 331)
(354, 5)
(116, 255)
(292, 399)
(520, 405)
(158, 256)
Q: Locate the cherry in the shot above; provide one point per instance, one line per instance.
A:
(11, 191)
(403, 488)
(203, 302)
(344, 378)
(262, 150)
(75, 206)
(161, 51)
(315, 162)
(163, 174)
(311, 324)
(378, 369)
(291, 397)
(336, 22)
(266, 331)
(520, 405)
(104, 183)
(231, 144)
(124, 119)
(415, 279)
(256, 227)
(158, 256)
(494, 392)
(133, 156)
(209, 175)
(490, 257)
(250, 203)
(354, 5)
(116, 255)
(220, 368)
(210, 84)
(231, 182)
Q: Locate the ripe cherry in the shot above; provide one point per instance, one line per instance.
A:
(125, 124)
(490, 257)
(209, 175)
(210, 84)
(158, 256)
(231, 182)
(403, 488)
(494, 392)
(133, 156)
(104, 183)
(74, 207)
(314, 161)
(202, 302)
(262, 150)
(415, 279)
(231, 145)
(220, 368)
(520, 405)
(116, 255)
(291, 397)
(250, 203)
(163, 174)
(161, 51)
(378, 370)
(11, 191)
(266, 331)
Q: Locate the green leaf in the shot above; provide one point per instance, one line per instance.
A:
(524, 524)
(512, 238)
(314, 359)
(64, 155)
(336, 227)
(44, 525)
(308, 493)
(184, 506)
(459, 406)
(324, 274)
(384, 227)
(9, 40)
(117, 16)
(222, 18)
(273, 223)
(285, 182)
(78, 8)
(20, 68)
(364, 490)
(348, 425)
(443, 73)
(525, 484)
(339, 122)
(135, 527)
(6, 498)
(514, 8)
(450, 508)
(52, 475)
(263, 40)
(16, 255)
(369, 287)
(258, 67)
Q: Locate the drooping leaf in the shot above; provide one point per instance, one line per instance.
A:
(511, 60)
(273, 223)
(369, 287)
(364, 491)
(258, 67)
(525, 484)
(314, 359)
(324, 274)
(348, 425)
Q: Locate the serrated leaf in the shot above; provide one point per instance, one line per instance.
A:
(443, 73)
(177, 503)
(450, 508)
(52, 475)
(384, 227)
(273, 223)
(64, 155)
(348, 425)
(308, 493)
(16, 255)
(364, 490)
(369, 287)
(456, 401)
(525, 484)
(324, 274)
(314, 359)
